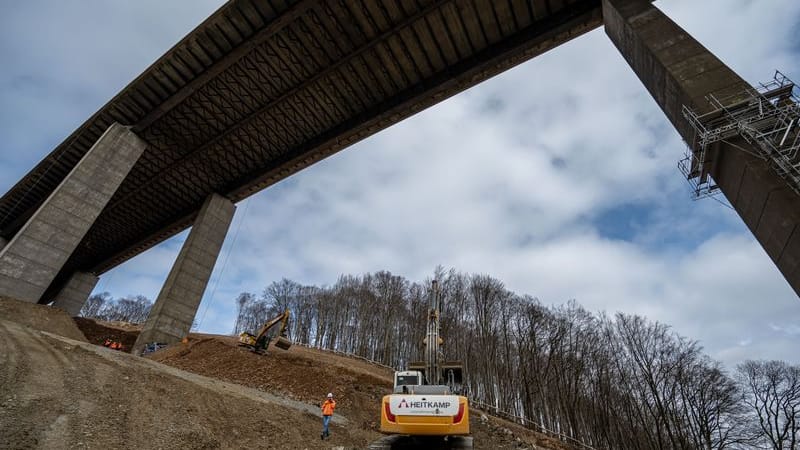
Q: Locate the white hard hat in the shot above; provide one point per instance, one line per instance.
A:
(330, 395)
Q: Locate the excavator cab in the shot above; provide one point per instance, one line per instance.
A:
(451, 374)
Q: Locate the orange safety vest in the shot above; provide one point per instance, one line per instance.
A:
(328, 407)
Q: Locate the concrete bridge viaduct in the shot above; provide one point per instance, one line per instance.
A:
(263, 89)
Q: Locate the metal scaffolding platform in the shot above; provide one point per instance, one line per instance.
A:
(766, 116)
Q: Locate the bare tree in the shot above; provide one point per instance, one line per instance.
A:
(244, 299)
(95, 304)
(132, 309)
(619, 382)
(772, 393)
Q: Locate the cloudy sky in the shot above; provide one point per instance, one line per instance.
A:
(558, 177)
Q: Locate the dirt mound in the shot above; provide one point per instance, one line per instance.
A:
(40, 317)
(97, 332)
(301, 374)
(307, 375)
(60, 393)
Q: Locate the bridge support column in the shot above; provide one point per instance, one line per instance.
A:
(35, 255)
(171, 317)
(678, 70)
(75, 293)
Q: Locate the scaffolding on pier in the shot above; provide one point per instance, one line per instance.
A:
(767, 117)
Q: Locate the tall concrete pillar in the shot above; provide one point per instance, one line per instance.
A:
(678, 71)
(35, 255)
(171, 317)
(75, 293)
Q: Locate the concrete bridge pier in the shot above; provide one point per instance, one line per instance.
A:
(678, 71)
(75, 293)
(176, 306)
(33, 257)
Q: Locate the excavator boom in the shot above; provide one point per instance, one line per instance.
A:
(434, 368)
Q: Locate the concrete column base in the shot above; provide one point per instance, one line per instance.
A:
(173, 313)
(35, 255)
(76, 292)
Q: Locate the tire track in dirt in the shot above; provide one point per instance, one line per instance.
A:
(46, 383)
(10, 362)
(48, 370)
(13, 365)
(37, 386)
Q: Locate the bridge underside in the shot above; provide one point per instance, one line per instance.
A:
(261, 90)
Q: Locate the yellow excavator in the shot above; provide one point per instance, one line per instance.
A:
(425, 407)
(259, 342)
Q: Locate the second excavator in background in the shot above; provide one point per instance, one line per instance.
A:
(259, 342)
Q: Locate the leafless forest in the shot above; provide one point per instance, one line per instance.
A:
(619, 382)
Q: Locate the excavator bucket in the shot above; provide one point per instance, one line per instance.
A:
(283, 343)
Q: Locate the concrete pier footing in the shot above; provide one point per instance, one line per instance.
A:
(173, 313)
(37, 252)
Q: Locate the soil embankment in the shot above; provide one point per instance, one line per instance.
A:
(40, 317)
(58, 391)
(97, 332)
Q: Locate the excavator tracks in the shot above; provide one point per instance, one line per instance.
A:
(415, 442)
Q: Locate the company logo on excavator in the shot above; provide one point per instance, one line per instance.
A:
(422, 404)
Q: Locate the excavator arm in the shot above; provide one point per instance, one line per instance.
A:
(435, 369)
(282, 317)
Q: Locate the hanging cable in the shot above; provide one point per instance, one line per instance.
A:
(224, 262)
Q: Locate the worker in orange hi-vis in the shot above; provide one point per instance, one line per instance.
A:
(327, 412)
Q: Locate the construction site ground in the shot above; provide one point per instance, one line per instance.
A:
(60, 389)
